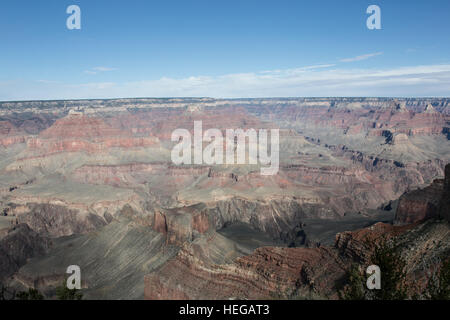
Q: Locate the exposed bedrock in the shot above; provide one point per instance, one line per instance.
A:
(354, 117)
(280, 219)
(95, 176)
(182, 224)
(359, 244)
(113, 261)
(56, 221)
(297, 272)
(414, 173)
(444, 204)
(421, 204)
(17, 246)
(56, 218)
(286, 273)
(267, 273)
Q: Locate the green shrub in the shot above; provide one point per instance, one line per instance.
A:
(64, 293)
(438, 287)
(31, 294)
(393, 276)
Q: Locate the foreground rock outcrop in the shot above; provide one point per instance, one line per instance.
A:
(444, 204)
(422, 204)
(290, 273)
(265, 274)
(17, 246)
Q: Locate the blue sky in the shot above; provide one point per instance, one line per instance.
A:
(227, 48)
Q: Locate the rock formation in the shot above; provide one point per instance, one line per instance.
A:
(422, 204)
(17, 246)
(97, 175)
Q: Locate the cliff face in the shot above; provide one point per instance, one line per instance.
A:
(311, 272)
(287, 273)
(75, 173)
(81, 133)
(17, 246)
(444, 204)
(57, 221)
(422, 204)
(358, 245)
(267, 273)
(368, 117)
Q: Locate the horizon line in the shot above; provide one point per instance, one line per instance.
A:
(240, 98)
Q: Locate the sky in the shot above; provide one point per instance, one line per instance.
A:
(223, 49)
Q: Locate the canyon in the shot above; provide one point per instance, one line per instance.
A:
(92, 183)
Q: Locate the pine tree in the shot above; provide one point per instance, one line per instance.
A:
(64, 293)
(355, 290)
(393, 276)
(31, 294)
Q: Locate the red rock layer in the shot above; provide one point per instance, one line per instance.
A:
(267, 273)
(10, 135)
(81, 133)
(391, 116)
(359, 244)
(419, 204)
(272, 272)
(422, 204)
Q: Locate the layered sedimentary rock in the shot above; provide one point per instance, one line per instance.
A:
(419, 204)
(82, 133)
(57, 221)
(359, 244)
(362, 117)
(289, 273)
(422, 204)
(113, 261)
(310, 272)
(76, 168)
(267, 273)
(301, 272)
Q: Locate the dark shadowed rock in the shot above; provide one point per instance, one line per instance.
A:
(422, 204)
(444, 205)
(20, 244)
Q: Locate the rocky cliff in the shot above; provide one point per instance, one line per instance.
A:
(426, 203)
(444, 204)
(71, 170)
(17, 246)
(290, 273)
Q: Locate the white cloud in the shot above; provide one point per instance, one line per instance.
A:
(422, 80)
(362, 57)
(96, 70)
(103, 69)
(48, 81)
